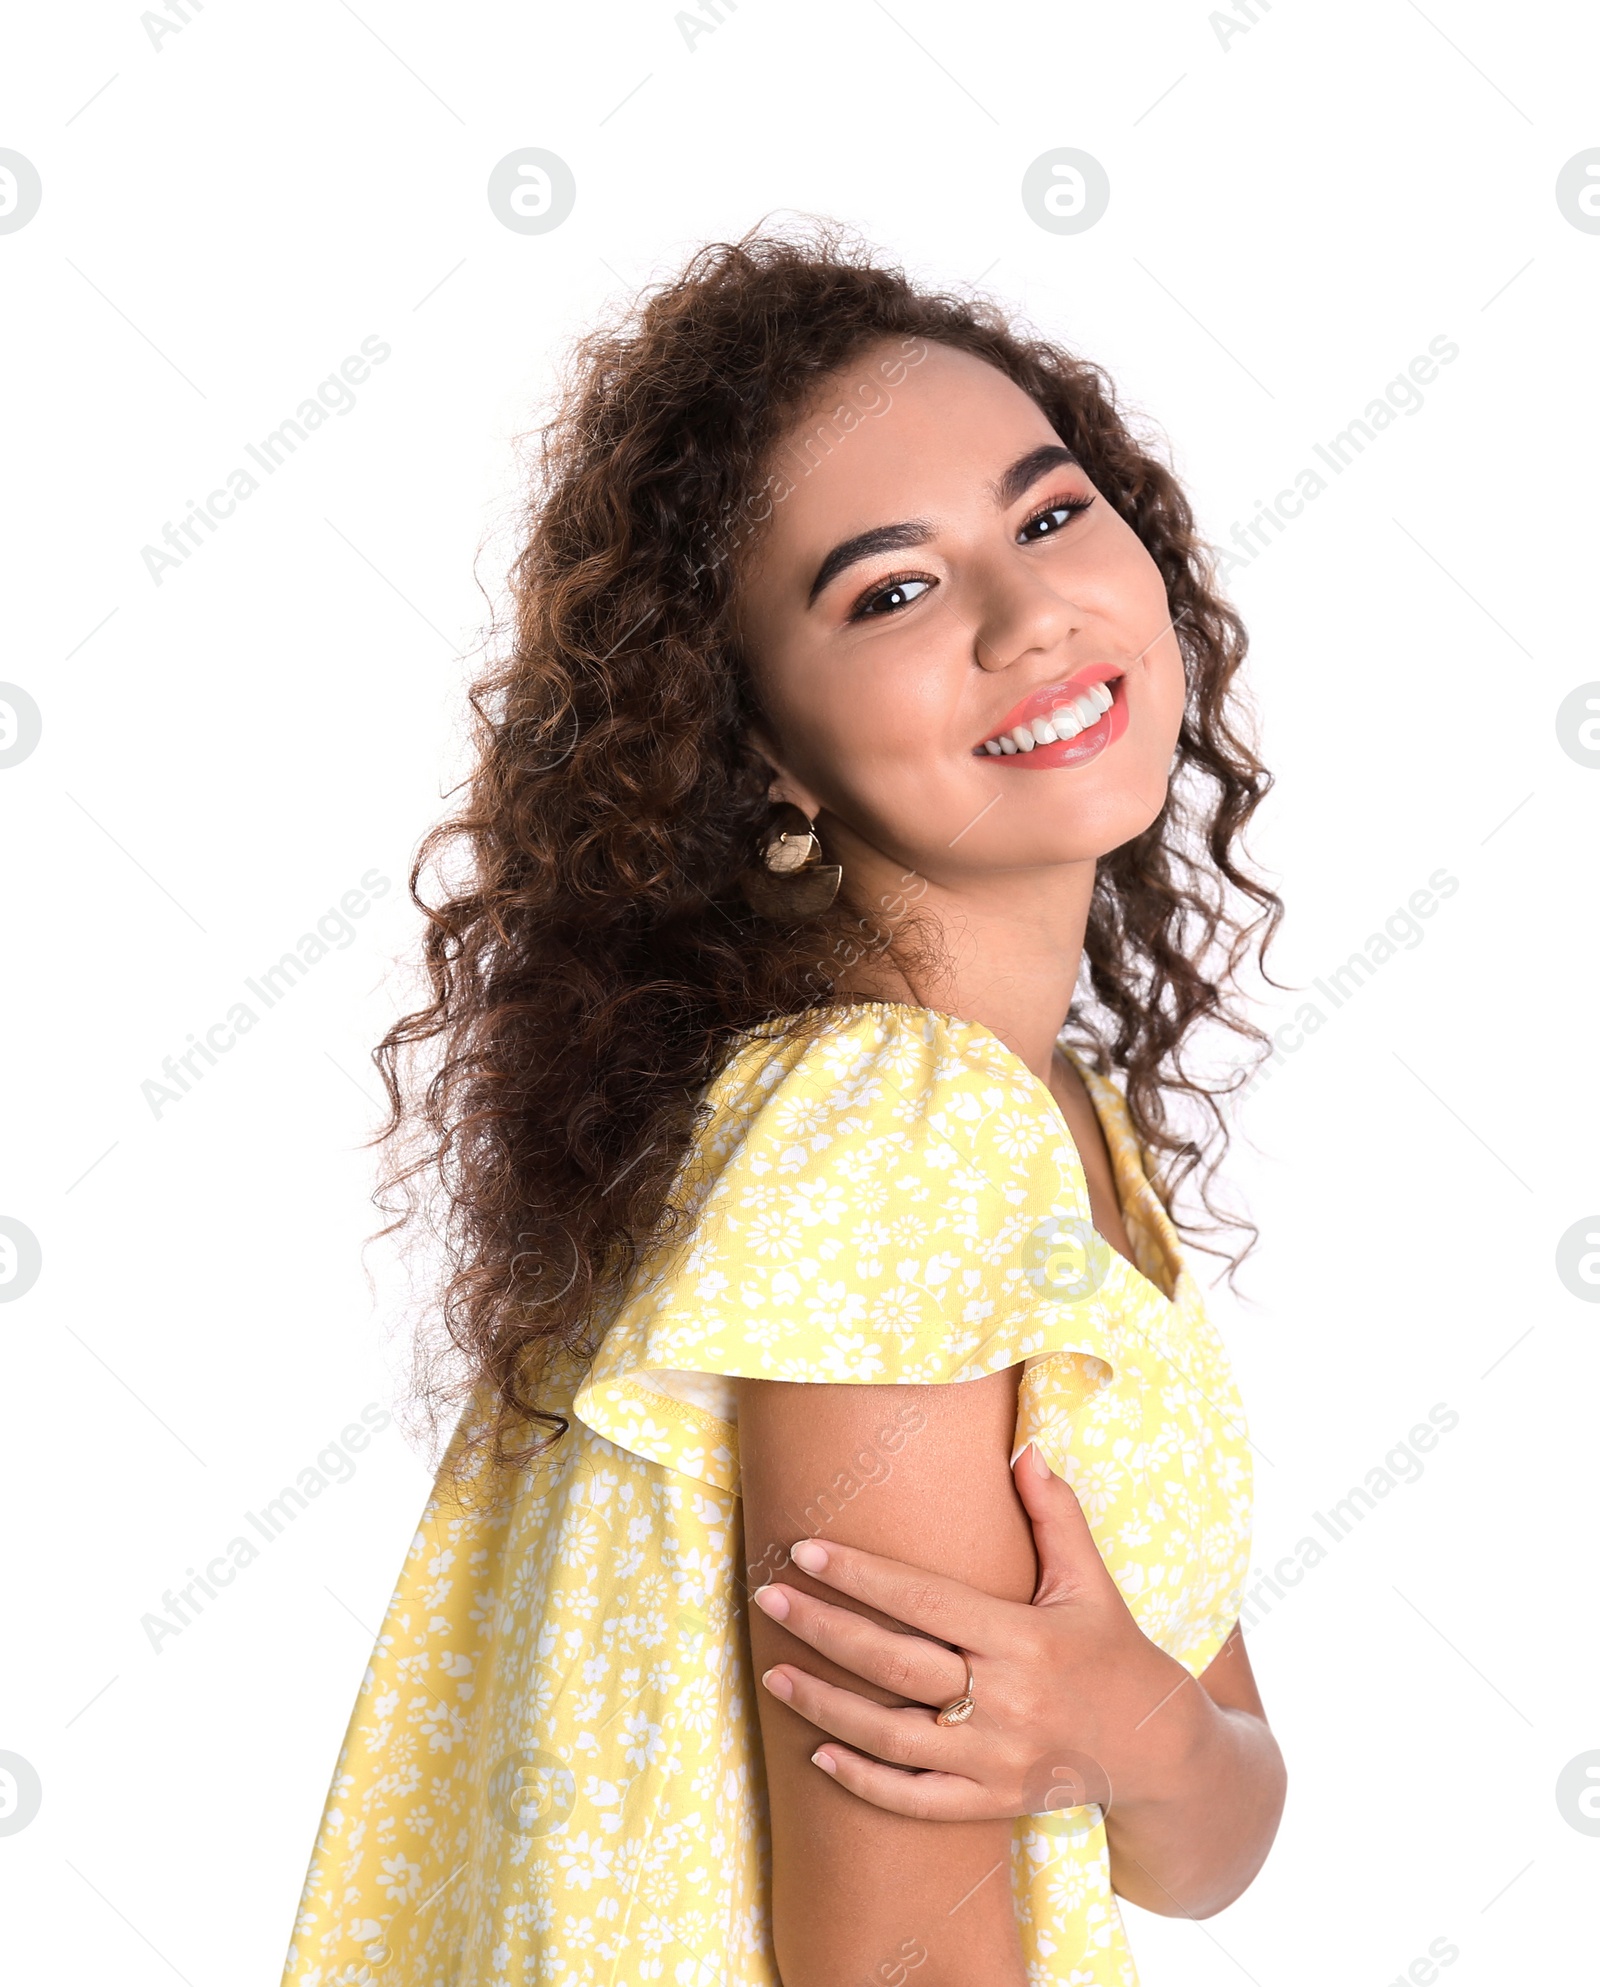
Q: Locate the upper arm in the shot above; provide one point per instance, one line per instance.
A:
(918, 1473)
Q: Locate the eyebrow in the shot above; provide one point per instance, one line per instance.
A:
(1027, 469)
(866, 545)
(1006, 488)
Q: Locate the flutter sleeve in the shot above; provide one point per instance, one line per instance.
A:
(886, 1196)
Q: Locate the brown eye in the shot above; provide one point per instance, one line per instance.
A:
(1053, 518)
(890, 599)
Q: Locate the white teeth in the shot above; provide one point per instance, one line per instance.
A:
(1065, 722)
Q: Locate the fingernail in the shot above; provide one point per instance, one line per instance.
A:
(1040, 1466)
(772, 1601)
(822, 1759)
(778, 1684)
(808, 1556)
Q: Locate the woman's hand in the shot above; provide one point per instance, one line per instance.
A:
(1067, 1690)
(1074, 1704)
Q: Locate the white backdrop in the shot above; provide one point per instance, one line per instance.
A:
(244, 744)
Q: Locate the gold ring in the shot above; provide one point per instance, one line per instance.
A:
(961, 1708)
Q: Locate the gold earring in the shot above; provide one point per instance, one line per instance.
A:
(793, 881)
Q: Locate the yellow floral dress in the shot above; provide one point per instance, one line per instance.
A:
(553, 1772)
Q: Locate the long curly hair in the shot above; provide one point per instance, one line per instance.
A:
(590, 954)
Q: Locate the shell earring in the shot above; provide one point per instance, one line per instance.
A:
(792, 882)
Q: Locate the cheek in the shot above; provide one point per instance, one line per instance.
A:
(1170, 688)
(891, 704)
(1145, 614)
(860, 750)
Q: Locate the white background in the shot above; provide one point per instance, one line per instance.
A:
(1298, 206)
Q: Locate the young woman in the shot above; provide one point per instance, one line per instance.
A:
(861, 790)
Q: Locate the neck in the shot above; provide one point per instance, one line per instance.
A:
(1002, 951)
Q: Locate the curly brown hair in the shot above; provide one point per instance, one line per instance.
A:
(590, 953)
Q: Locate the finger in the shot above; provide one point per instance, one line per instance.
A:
(1069, 1559)
(943, 1608)
(925, 1796)
(910, 1665)
(906, 1735)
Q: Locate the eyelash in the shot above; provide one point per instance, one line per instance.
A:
(1073, 506)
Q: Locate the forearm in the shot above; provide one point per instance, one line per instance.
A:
(1193, 1844)
(1079, 1708)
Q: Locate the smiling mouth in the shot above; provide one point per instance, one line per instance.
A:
(1063, 724)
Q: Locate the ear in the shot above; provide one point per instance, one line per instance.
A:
(784, 786)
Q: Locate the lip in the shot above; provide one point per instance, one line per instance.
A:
(1088, 744)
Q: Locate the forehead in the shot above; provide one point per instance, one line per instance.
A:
(870, 449)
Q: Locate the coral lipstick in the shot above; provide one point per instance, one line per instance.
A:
(1062, 724)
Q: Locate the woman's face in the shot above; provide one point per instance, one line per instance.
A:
(934, 582)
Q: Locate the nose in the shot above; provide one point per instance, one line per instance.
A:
(1021, 614)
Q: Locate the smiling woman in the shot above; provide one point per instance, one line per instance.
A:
(798, 1083)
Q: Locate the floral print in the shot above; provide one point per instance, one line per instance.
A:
(553, 1773)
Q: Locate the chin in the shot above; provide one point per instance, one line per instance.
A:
(1090, 823)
